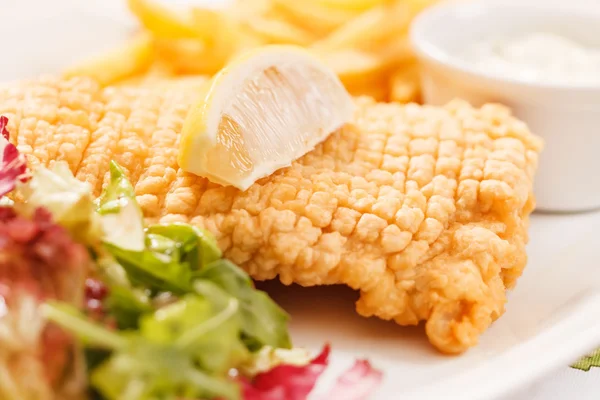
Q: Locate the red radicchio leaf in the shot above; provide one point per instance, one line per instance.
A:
(39, 260)
(12, 164)
(95, 294)
(37, 253)
(356, 383)
(3, 130)
(288, 382)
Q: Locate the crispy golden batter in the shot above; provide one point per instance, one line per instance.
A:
(423, 210)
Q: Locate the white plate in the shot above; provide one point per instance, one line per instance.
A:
(552, 315)
(550, 321)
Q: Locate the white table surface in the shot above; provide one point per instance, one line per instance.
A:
(41, 46)
(565, 383)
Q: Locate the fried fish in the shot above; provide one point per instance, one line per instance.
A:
(423, 210)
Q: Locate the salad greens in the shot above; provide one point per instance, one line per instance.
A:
(160, 359)
(213, 319)
(261, 317)
(69, 200)
(122, 218)
(195, 245)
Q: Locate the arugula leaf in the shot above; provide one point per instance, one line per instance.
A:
(127, 305)
(172, 252)
(264, 323)
(183, 344)
(156, 271)
(124, 302)
(212, 355)
(150, 371)
(209, 332)
(196, 246)
(184, 349)
(122, 218)
(169, 357)
(90, 333)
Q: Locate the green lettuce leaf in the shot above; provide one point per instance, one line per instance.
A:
(127, 305)
(156, 271)
(195, 246)
(68, 199)
(151, 371)
(206, 328)
(122, 218)
(88, 332)
(183, 350)
(264, 323)
(171, 254)
(187, 316)
(125, 302)
(184, 315)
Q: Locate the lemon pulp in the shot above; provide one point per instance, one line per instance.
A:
(269, 119)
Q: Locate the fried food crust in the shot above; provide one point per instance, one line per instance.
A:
(423, 210)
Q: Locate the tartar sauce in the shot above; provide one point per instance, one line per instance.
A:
(538, 57)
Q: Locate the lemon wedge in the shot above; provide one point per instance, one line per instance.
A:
(260, 113)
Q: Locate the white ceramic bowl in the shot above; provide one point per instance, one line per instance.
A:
(566, 116)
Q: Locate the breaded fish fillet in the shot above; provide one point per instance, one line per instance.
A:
(423, 210)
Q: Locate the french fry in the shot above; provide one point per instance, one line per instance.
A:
(208, 24)
(419, 5)
(158, 70)
(278, 32)
(395, 52)
(247, 40)
(188, 56)
(246, 8)
(163, 22)
(404, 84)
(378, 91)
(221, 33)
(372, 26)
(132, 58)
(356, 67)
(350, 4)
(314, 17)
(364, 41)
(186, 81)
(376, 86)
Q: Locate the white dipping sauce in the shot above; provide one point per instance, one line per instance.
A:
(538, 57)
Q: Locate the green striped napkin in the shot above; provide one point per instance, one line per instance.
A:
(587, 362)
